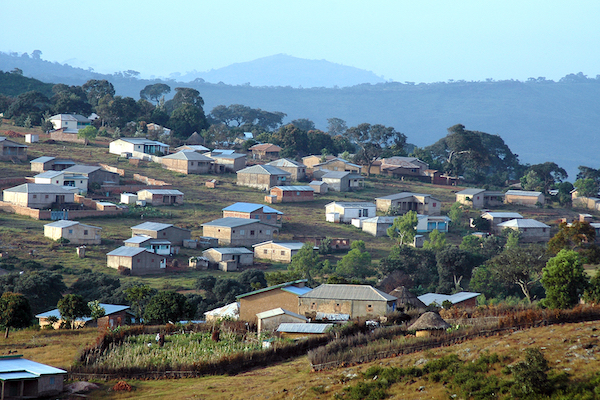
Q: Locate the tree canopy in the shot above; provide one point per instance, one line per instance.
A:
(564, 280)
(375, 141)
(15, 312)
(404, 228)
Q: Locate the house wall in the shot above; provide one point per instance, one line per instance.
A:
(272, 323)
(376, 229)
(339, 165)
(76, 234)
(292, 196)
(113, 320)
(298, 173)
(260, 181)
(120, 146)
(274, 252)
(533, 235)
(100, 176)
(229, 164)
(45, 387)
(338, 185)
(346, 214)
(475, 201)
(142, 264)
(215, 257)
(429, 224)
(158, 199)
(67, 137)
(186, 167)
(529, 201)
(355, 308)
(259, 215)
(244, 236)
(264, 301)
(36, 200)
(173, 234)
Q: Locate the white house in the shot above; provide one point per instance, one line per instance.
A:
(70, 123)
(137, 146)
(62, 178)
(345, 211)
(427, 223)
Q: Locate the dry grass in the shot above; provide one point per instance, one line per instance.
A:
(563, 345)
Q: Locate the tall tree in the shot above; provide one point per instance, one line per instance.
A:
(454, 266)
(139, 296)
(15, 312)
(87, 134)
(155, 92)
(549, 173)
(404, 228)
(336, 126)
(304, 124)
(355, 264)
(71, 307)
(374, 140)
(168, 307)
(564, 280)
(293, 140)
(96, 89)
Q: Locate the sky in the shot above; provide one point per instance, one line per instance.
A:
(399, 40)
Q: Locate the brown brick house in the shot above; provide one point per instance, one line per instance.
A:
(138, 260)
(158, 230)
(11, 150)
(187, 162)
(297, 169)
(265, 214)
(264, 151)
(238, 231)
(161, 197)
(292, 194)
(262, 177)
(284, 295)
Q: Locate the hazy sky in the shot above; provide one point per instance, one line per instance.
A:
(415, 40)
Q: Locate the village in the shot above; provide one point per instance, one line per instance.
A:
(307, 233)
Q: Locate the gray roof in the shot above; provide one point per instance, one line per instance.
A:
(108, 309)
(232, 156)
(49, 174)
(83, 169)
(402, 195)
(70, 117)
(125, 251)
(522, 193)
(352, 204)
(295, 188)
(251, 207)
(281, 286)
(279, 311)
(153, 226)
(188, 155)
(380, 220)
(38, 188)
(348, 292)
(286, 162)
(63, 223)
(143, 141)
(138, 239)
(336, 175)
(231, 250)
(471, 191)
(437, 298)
(523, 223)
(43, 159)
(15, 367)
(263, 170)
(289, 327)
(192, 147)
(287, 245)
(162, 191)
(231, 222)
(317, 183)
(502, 214)
(337, 159)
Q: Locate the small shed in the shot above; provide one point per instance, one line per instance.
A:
(229, 311)
(26, 379)
(161, 197)
(269, 320)
(298, 331)
(319, 187)
(32, 138)
(428, 324)
(128, 198)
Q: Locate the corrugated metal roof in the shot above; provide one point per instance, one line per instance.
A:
(402, 196)
(143, 141)
(152, 226)
(108, 310)
(82, 169)
(380, 220)
(231, 222)
(298, 291)
(494, 214)
(332, 317)
(64, 223)
(38, 188)
(286, 245)
(125, 251)
(230, 310)
(189, 156)
(348, 292)
(43, 159)
(285, 162)
(295, 188)
(352, 204)
(163, 191)
(280, 286)
(263, 170)
(523, 193)
(251, 207)
(289, 327)
(231, 250)
(279, 311)
(437, 298)
(17, 364)
(317, 183)
(523, 223)
(138, 239)
(471, 191)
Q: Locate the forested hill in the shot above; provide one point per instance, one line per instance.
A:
(540, 120)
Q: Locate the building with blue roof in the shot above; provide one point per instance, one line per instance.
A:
(262, 213)
(461, 299)
(114, 315)
(25, 379)
(284, 295)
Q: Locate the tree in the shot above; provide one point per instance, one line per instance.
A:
(227, 290)
(564, 280)
(305, 262)
(374, 140)
(575, 236)
(98, 89)
(31, 104)
(532, 181)
(586, 187)
(455, 214)
(96, 310)
(531, 375)
(97, 286)
(168, 307)
(71, 307)
(304, 124)
(187, 119)
(117, 111)
(404, 228)
(70, 99)
(43, 289)
(88, 133)
(549, 173)
(293, 140)
(15, 312)
(512, 239)
(155, 92)
(437, 241)
(336, 126)
(521, 266)
(419, 264)
(138, 296)
(453, 265)
(356, 263)
(253, 279)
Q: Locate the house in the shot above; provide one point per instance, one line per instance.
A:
(114, 315)
(429, 324)
(158, 230)
(36, 195)
(343, 181)
(438, 178)
(291, 330)
(161, 197)
(356, 300)
(59, 178)
(94, 173)
(524, 198)
(319, 187)
(427, 223)
(345, 211)
(159, 246)
(198, 148)
(471, 197)
(262, 177)
(377, 226)
(73, 231)
(277, 251)
(461, 299)
(291, 194)
(138, 260)
(497, 217)
(137, 147)
(532, 231)
(284, 295)
(407, 201)
(195, 139)
(406, 299)
(400, 167)
(335, 244)
(187, 162)
(229, 311)
(264, 214)
(227, 162)
(337, 165)
(271, 319)
(128, 198)
(296, 169)
(311, 161)
(11, 150)
(26, 379)
(229, 258)
(239, 231)
(46, 163)
(591, 203)
(69, 123)
(265, 151)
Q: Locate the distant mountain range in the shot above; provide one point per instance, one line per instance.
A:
(284, 70)
(540, 120)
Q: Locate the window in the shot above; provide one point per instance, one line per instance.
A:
(434, 204)
(70, 231)
(297, 193)
(46, 196)
(268, 232)
(313, 306)
(242, 232)
(152, 260)
(233, 231)
(51, 380)
(365, 212)
(138, 260)
(283, 252)
(251, 233)
(85, 232)
(268, 217)
(57, 182)
(265, 251)
(35, 196)
(257, 217)
(164, 233)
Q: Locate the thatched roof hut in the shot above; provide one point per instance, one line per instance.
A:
(195, 138)
(406, 299)
(429, 322)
